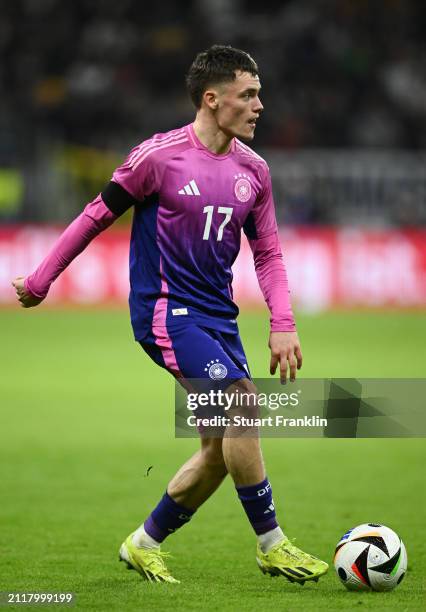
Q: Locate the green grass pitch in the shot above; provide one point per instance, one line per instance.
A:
(84, 413)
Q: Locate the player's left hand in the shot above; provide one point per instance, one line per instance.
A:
(286, 351)
(27, 300)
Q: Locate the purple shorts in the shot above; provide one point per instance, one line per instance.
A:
(194, 352)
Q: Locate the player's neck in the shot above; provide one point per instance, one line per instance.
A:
(211, 136)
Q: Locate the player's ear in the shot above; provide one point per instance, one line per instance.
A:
(210, 97)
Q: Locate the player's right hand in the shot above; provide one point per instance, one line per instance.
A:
(27, 300)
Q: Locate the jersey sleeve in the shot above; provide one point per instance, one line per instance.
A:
(262, 232)
(95, 218)
(261, 221)
(132, 182)
(272, 277)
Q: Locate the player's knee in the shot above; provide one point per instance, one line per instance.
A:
(245, 404)
(211, 450)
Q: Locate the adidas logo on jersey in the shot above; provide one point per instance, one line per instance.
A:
(191, 189)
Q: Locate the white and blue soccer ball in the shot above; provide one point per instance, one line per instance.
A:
(370, 557)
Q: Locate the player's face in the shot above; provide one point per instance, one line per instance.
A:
(239, 106)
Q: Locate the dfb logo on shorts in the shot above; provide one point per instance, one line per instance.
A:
(216, 370)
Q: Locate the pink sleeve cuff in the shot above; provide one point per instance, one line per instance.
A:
(28, 288)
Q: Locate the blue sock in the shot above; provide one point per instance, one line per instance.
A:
(166, 518)
(259, 506)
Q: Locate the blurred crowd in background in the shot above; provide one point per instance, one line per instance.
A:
(82, 81)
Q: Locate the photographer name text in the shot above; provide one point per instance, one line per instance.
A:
(277, 420)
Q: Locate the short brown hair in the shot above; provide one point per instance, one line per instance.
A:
(216, 65)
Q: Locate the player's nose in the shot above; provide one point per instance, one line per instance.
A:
(258, 106)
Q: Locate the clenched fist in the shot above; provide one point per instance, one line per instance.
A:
(26, 299)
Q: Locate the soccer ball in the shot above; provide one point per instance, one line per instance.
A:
(370, 557)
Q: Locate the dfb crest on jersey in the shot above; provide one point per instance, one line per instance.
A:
(242, 188)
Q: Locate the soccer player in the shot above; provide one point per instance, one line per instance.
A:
(193, 190)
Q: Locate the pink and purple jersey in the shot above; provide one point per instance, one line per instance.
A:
(190, 207)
